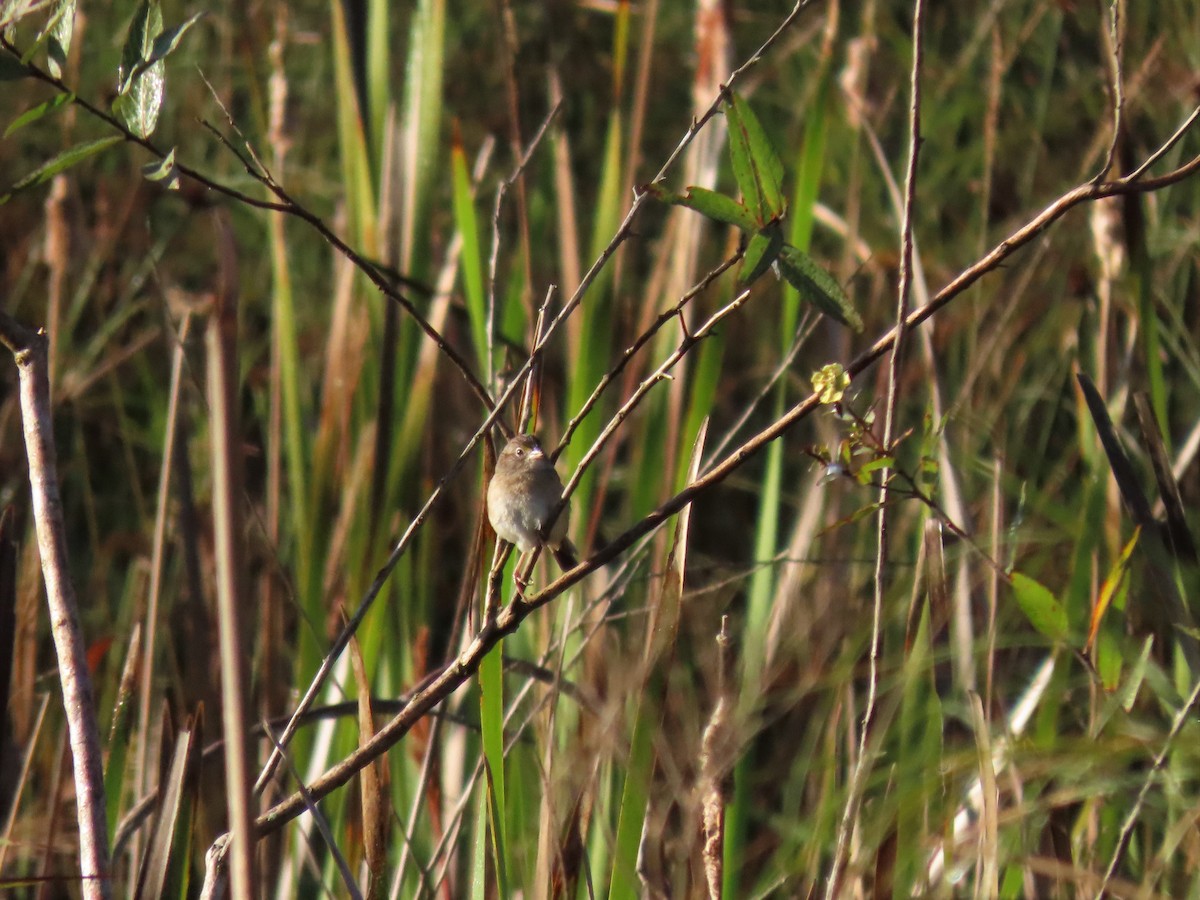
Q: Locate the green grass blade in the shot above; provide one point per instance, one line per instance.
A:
(491, 723)
(472, 262)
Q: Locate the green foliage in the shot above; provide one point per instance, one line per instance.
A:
(472, 262)
(1040, 606)
(36, 112)
(60, 163)
(816, 286)
(140, 80)
(55, 37)
(758, 171)
(757, 168)
(164, 170)
(570, 761)
(491, 721)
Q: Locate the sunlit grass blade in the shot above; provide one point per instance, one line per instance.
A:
(491, 722)
(472, 262)
(172, 827)
(651, 697)
(1109, 588)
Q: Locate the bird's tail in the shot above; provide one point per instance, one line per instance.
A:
(565, 555)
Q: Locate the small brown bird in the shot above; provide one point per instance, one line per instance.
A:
(521, 496)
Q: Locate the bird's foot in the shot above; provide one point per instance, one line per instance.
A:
(520, 583)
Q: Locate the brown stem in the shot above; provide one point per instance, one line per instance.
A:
(30, 350)
(221, 348)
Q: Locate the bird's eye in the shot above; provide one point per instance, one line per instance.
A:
(519, 452)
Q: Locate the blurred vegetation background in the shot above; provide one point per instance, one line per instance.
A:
(1030, 736)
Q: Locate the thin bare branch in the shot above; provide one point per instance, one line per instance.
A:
(287, 204)
(865, 756)
(1115, 46)
(30, 350)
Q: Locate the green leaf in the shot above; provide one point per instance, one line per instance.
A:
(64, 160)
(1040, 606)
(145, 26)
(49, 34)
(816, 286)
(32, 115)
(138, 110)
(164, 45)
(163, 170)
(880, 462)
(756, 166)
(139, 86)
(719, 207)
(62, 30)
(857, 516)
(762, 250)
